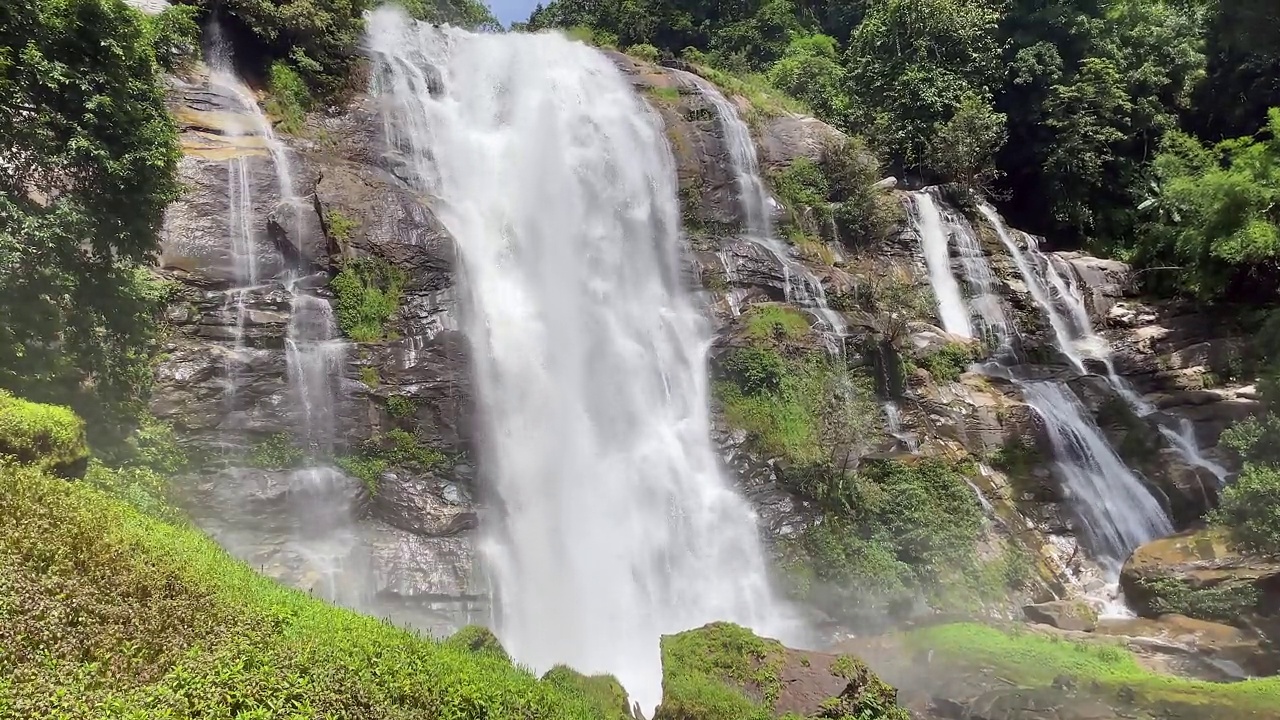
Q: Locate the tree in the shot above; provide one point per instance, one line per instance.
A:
(912, 62)
(88, 165)
(810, 70)
(964, 147)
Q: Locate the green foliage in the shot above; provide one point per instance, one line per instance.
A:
(602, 692)
(911, 66)
(665, 94)
(288, 98)
(181, 629)
(779, 322)
(464, 13)
(401, 406)
(947, 363)
(175, 35)
(644, 51)
(1250, 508)
(320, 39)
(50, 437)
(368, 294)
(892, 528)
(369, 376)
(340, 227)
(393, 448)
(802, 188)
(705, 672)
(90, 164)
(1030, 659)
(477, 639)
(810, 71)
(1215, 216)
(1219, 603)
(964, 147)
(807, 409)
(275, 452)
(1016, 458)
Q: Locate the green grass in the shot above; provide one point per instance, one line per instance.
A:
(666, 94)
(369, 376)
(1032, 660)
(477, 638)
(780, 322)
(603, 692)
(340, 227)
(108, 612)
(766, 100)
(51, 435)
(368, 294)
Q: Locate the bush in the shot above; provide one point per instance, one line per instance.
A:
(276, 452)
(477, 639)
(463, 13)
(863, 215)
(602, 692)
(339, 226)
(948, 362)
(645, 52)
(181, 629)
(50, 437)
(777, 322)
(1250, 508)
(368, 294)
(1219, 603)
(755, 370)
(175, 35)
(288, 98)
(401, 406)
(802, 187)
(395, 447)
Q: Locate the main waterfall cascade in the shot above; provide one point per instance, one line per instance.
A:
(1116, 510)
(616, 524)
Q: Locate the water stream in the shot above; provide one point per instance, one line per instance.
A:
(801, 286)
(616, 522)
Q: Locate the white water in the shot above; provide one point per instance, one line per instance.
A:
(893, 423)
(1077, 340)
(1116, 510)
(589, 356)
(952, 310)
(801, 286)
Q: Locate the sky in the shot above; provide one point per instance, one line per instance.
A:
(509, 11)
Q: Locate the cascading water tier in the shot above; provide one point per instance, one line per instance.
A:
(616, 524)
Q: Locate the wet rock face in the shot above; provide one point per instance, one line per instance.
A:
(1201, 575)
(406, 549)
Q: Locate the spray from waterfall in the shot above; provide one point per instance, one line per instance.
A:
(616, 523)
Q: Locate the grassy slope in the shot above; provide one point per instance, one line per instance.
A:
(1034, 660)
(108, 613)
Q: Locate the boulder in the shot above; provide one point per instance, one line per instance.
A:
(425, 504)
(1063, 614)
(1200, 574)
(704, 668)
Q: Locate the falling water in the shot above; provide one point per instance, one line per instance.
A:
(1115, 508)
(801, 286)
(318, 522)
(589, 357)
(952, 309)
(1076, 339)
(893, 423)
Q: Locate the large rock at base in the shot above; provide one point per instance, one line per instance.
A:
(709, 670)
(1064, 614)
(1199, 574)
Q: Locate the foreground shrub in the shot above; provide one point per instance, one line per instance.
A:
(49, 436)
(1250, 509)
(107, 612)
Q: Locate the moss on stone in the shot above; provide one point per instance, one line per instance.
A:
(602, 692)
(708, 672)
(51, 437)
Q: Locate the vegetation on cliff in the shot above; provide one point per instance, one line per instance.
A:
(1028, 659)
(1057, 106)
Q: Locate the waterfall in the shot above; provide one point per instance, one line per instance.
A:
(1116, 510)
(589, 357)
(800, 285)
(1076, 339)
(320, 525)
(952, 309)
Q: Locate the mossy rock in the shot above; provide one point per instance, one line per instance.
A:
(479, 639)
(602, 692)
(1201, 574)
(723, 671)
(50, 437)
